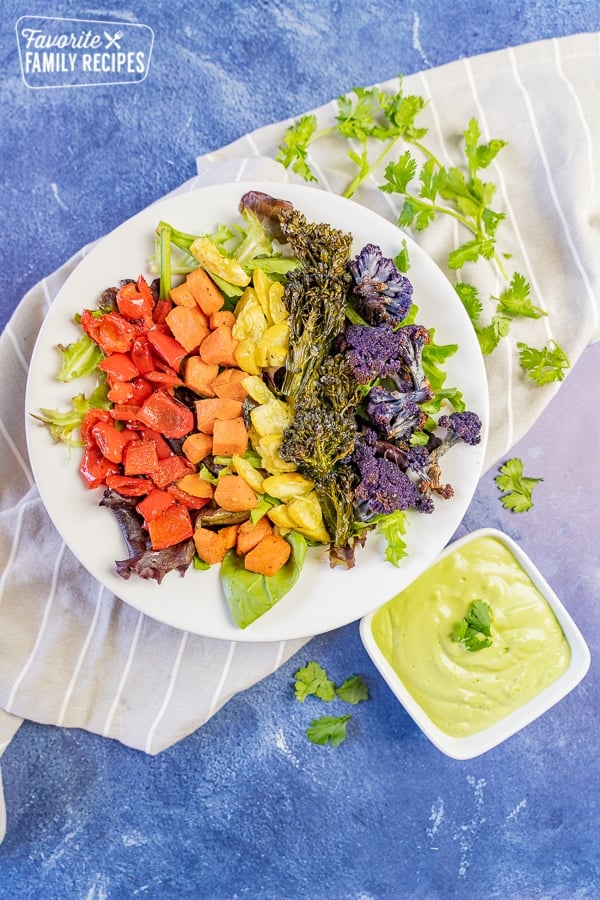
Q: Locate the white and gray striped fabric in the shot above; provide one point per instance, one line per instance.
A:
(73, 655)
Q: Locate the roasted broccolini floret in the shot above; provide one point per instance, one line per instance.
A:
(320, 441)
(315, 295)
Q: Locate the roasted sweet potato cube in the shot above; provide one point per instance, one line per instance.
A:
(197, 446)
(230, 437)
(250, 533)
(228, 383)
(209, 409)
(233, 494)
(219, 347)
(199, 375)
(269, 555)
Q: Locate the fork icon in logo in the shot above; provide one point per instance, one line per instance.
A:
(113, 40)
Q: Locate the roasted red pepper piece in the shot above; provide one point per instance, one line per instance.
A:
(95, 467)
(110, 331)
(141, 355)
(118, 367)
(129, 485)
(89, 420)
(121, 392)
(171, 469)
(167, 348)
(161, 311)
(162, 448)
(142, 389)
(167, 379)
(171, 527)
(136, 302)
(166, 414)
(140, 458)
(154, 504)
(125, 412)
(110, 441)
(187, 499)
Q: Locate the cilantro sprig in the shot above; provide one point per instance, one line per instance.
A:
(375, 123)
(544, 365)
(313, 680)
(517, 487)
(372, 120)
(461, 195)
(474, 631)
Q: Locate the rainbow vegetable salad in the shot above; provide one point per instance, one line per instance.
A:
(263, 391)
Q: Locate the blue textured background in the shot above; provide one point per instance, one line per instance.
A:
(246, 807)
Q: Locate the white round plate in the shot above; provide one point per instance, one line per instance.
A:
(323, 598)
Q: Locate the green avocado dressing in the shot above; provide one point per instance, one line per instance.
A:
(463, 691)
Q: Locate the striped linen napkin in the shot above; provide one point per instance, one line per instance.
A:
(71, 654)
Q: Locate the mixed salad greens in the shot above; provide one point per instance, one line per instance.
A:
(264, 392)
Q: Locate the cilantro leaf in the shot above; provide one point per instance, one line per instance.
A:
(434, 357)
(357, 116)
(545, 365)
(470, 300)
(328, 729)
(517, 488)
(470, 251)
(399, 174)
(432, 180)
(490, 335)
(474, 630)
(515, 300)
(407, 214)
(491, 220)
(402, 259)
(363, 166)
(401, 111)
(479, 156)
(480, 617)
(353, 690)
(313, 680)
(294, 149)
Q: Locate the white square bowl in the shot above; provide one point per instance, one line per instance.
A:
(480, 742)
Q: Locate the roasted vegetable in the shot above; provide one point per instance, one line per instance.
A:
(381, 294)
(144, 561)
(384, 487)
(319, 442)
(424, 462)
(395, 414)
(266, 209)
(315, 295)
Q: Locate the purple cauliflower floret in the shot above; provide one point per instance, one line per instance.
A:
(460, 426)
(380, 352)
(424, 461)
(371, 352)
(395, 415)
(413, 339)
(382, 294)
(417, 458)
(384, 487)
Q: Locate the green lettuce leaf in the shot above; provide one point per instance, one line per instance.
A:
(250, 595)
